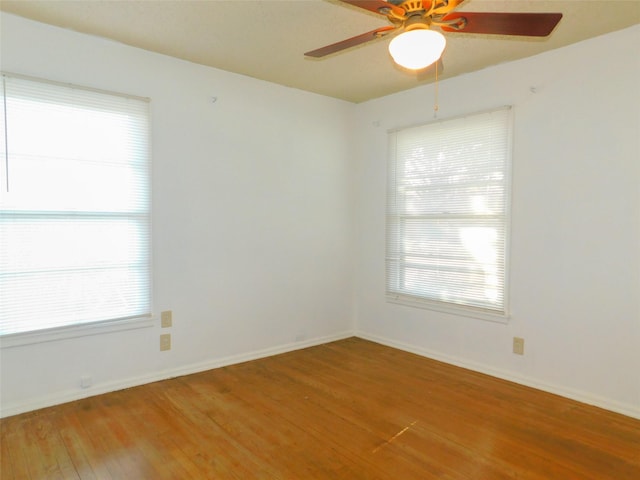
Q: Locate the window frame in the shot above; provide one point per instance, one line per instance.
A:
(102, 326)
(416, 301)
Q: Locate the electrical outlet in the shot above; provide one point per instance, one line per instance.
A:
(166, 319)
(165, 342)
(518, 345)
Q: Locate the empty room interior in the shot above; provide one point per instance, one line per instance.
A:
(335, 278)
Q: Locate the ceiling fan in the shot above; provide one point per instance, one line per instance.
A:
(417, 45)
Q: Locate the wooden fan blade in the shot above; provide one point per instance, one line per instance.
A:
(527, 24)
(349, 42)
(376, 6)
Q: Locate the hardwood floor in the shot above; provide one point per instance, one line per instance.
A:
(346, 410)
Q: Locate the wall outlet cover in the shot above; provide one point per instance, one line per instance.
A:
(518, 345)
(165, 342)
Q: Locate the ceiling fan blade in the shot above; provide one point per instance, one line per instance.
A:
(349, 42)
(527, 24)
(376, 6)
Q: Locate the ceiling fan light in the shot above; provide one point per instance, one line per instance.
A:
(417, 49)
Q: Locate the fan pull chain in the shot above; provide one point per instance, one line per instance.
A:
(435, 100)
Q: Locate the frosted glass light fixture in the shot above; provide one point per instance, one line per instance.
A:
(417, 49)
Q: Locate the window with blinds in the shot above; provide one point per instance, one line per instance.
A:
(74, 206)
(447, 213)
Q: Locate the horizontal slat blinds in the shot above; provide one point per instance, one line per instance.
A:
(447, 215)
(74, 206)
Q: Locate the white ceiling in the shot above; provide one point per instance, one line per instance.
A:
(266, 39)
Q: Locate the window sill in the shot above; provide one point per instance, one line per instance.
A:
(74, 331)
(451, 309)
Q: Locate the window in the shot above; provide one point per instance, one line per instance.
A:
(447, 215)
(74, 206)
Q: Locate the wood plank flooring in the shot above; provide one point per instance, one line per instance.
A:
(347, 410)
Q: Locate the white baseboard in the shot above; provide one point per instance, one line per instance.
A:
(580, 396)
(58, 398)
(71, 395)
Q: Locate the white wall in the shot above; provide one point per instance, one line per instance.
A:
(254, 211)
(252, 236)
(575, 245)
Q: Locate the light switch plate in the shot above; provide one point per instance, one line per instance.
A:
(166, 319)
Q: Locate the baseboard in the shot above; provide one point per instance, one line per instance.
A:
(69, 396)
(58, 398)
(580, 396)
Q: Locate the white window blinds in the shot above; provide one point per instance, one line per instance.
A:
(447, 212)
(74, 206)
